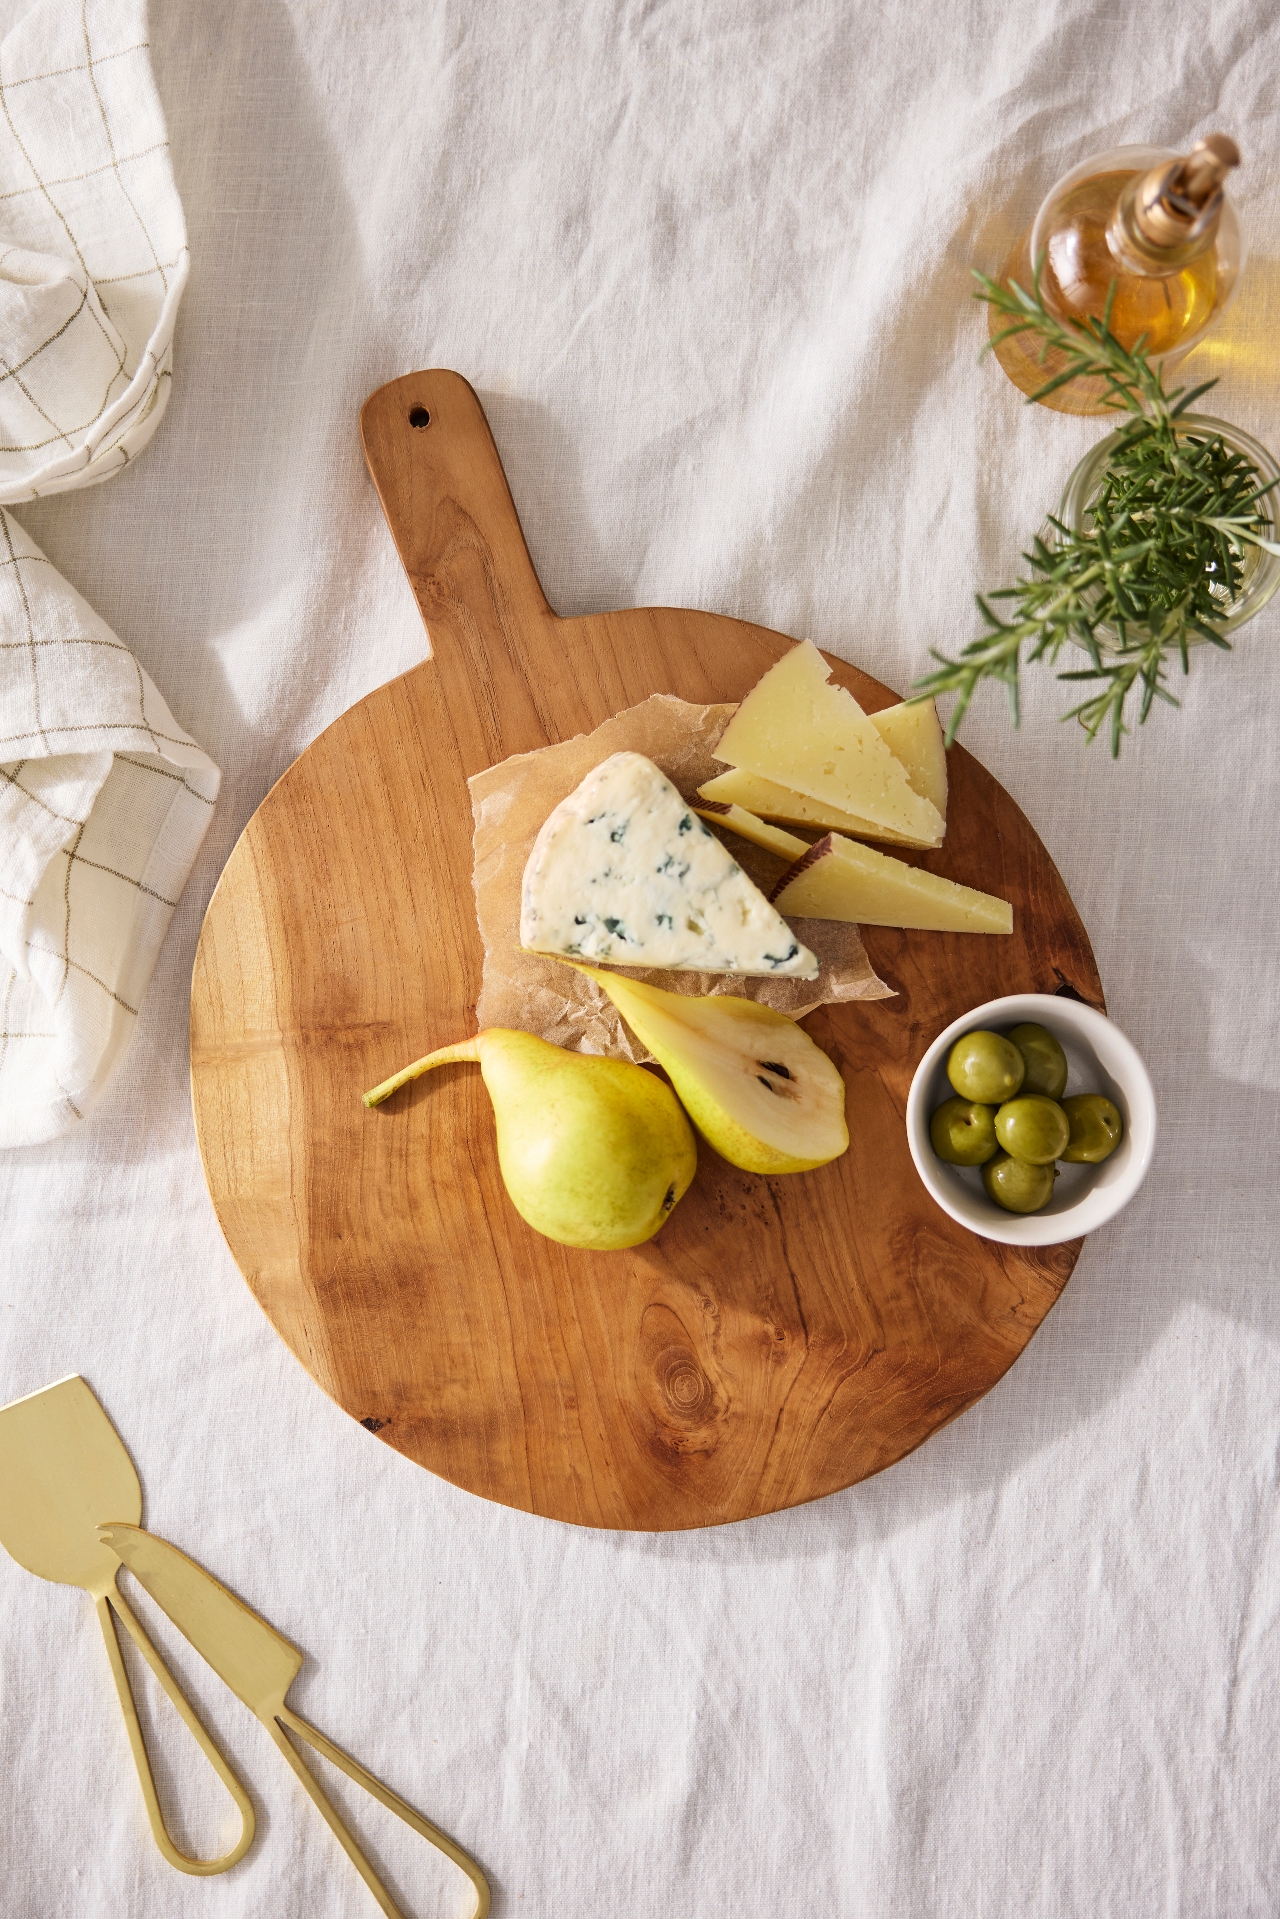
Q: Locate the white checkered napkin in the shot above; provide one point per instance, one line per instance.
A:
(104, 800)
(93, 246)
(95, 844)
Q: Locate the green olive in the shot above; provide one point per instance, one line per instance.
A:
(1033, 1129)
(963, 1132)
(986, 1067)
(1096, 1128)
(1045, 1061)
(1017, 1187)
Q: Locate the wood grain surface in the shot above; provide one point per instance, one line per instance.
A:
(781, 1338)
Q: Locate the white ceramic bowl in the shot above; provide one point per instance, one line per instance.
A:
(1100, 1060)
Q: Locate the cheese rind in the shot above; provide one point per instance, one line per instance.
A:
(839, 880)
(797, 729)
(774, 802)
(623, 871)
(737, 820)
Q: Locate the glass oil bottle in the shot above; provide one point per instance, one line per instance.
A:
(1154, 223)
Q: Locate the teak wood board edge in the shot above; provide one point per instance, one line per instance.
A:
(780, 1338)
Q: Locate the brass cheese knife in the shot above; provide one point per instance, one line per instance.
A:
(260, 1666)
(63, 1470)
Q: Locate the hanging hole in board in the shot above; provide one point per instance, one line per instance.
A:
(418, 416)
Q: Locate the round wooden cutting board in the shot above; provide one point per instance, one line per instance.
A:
(781, 1338)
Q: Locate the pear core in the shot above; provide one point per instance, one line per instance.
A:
(752, 1081)
(594, 1153)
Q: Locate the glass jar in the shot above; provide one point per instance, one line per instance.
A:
(1260, 570)
(1082, 239)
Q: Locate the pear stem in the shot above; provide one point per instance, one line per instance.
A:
(444, 1056)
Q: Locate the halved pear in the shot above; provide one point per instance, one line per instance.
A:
(752, 1081)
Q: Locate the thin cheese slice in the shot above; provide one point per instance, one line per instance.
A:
(796, 728)
(913, 734)
(840, 880)
(748, 827)
(774, 802)
(624, 871)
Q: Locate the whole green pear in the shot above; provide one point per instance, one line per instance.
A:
(594, 1152)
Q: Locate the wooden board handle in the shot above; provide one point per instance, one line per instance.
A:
(442, 487)
(441, 484)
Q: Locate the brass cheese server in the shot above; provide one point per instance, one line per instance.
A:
(260, 1665)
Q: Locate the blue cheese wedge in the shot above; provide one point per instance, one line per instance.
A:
(623, 872)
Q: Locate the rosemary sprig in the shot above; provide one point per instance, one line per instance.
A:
(1159, 561)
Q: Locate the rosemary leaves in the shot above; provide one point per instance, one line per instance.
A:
(1157, 560)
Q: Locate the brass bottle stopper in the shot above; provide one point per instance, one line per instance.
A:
(1168, 217)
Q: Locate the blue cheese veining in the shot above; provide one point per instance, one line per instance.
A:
(623, 872)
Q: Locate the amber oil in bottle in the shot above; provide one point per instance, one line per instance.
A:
(1154, 224)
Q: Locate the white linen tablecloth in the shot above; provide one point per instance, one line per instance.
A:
(708, 267)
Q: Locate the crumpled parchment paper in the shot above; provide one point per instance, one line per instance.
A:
(536, 994)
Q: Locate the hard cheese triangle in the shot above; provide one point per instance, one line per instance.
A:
(913, 734)
(745, 824)
(766, 799)
(624, 872)
(840, 880)
(798, 730)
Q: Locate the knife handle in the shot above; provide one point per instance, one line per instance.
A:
(106, 1605)
(392, 1801)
